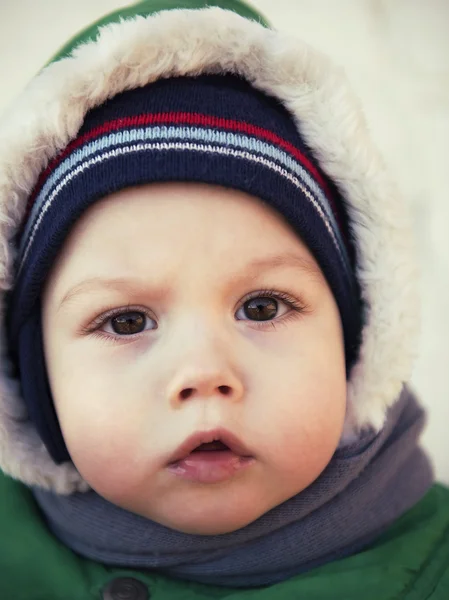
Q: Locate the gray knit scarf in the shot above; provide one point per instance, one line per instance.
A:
(363, 490)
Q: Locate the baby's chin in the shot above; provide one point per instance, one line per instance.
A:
(204, 519)
(209, 525)
(212, 510)
(199, 509)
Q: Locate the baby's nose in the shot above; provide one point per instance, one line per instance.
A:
(203, 385)
(187, 392)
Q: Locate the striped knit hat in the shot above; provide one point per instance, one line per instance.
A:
(214, 129)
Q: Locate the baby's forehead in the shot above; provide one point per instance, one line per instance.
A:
(137, 241)
(167, 225)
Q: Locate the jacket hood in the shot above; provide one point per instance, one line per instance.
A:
(137, 46)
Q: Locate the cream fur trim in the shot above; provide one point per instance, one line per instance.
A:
(132, 53)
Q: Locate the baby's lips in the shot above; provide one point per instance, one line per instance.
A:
(205, 437)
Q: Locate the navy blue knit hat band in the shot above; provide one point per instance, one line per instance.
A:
(211, 129)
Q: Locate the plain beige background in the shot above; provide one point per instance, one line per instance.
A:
(396, 53)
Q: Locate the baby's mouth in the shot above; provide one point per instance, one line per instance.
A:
(210, 461)
(217, 440)
(211, 446)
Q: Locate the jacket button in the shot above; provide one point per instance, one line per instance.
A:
(125, 588)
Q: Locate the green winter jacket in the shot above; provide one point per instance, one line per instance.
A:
(410, 561)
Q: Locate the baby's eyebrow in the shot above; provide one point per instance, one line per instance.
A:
(285, 260)
(120, 284)
(252, 271)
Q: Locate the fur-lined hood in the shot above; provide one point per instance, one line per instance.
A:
(138, 50)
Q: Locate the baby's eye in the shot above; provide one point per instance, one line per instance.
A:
(260, 308)
(128, 323)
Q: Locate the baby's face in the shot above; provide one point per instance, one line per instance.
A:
(166, 315)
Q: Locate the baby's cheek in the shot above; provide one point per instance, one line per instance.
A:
(106, 460)
(308, 425)
(308, 453)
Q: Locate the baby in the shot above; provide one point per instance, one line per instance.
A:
(209, 322)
